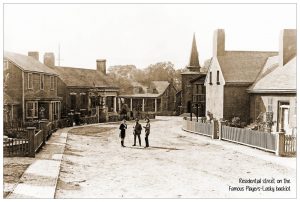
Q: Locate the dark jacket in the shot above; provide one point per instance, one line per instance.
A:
(123, 128)
(137, 129)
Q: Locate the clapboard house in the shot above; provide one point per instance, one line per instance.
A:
(30, 89)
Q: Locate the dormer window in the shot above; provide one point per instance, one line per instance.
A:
(210, 78)
(218, 77)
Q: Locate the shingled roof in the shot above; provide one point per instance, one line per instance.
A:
(27, 63)
(276, 79)
(79, 77)
(160, 86)
(243, 66)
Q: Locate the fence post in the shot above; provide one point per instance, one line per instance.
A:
(214, 129)
(221, 123)
(280, 147)
(43, 127)
(31, 133)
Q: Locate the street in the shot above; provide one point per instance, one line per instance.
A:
(178, 164)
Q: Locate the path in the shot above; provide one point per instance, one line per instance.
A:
(178, 165)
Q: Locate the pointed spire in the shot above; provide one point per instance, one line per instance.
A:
(194, 60)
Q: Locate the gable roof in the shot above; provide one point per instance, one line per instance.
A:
(242, 66)
(160, 86)
(80, 77)
(276, 79)
(27, 63)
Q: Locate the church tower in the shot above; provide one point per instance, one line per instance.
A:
(194, 65)
(191, 72)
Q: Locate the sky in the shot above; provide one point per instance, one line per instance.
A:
(141, 34)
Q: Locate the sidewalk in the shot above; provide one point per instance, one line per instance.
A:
(40, 178)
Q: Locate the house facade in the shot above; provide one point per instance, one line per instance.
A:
(83, 90)
(30, 89)
(160, 99)
(229, 76)
(273, 94)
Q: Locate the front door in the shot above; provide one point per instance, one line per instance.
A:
(283, 121)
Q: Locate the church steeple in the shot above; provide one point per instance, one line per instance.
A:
(194, 60)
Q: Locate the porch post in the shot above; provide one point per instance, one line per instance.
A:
(155, 108)
(280, 140)
(50, 111)
(119, 104)
(115, 104)
(130, 104)
(104, 101)
(31, 134)
(143, 105)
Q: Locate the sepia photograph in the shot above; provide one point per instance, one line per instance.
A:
(149, 101)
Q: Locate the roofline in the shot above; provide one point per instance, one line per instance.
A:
(287, 91)
(138, 96)
(238, 83)
(28, 70)
(102, 87)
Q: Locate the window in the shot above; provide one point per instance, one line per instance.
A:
(52, 82)
(42, 80)
(270, 104)
(218, 77)
(73, 101)
(30, 81)
(83, 101)
(32, 109)
(210, 78)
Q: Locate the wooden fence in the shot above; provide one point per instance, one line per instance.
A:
(279, 143)
(198, 127)
(290, 146)
(257, 139)
(16, 147)
(38, 140)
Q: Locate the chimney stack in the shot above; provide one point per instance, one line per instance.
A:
(101, 66)
(287, 45)
(219, 42)
(49, 59)
(34, 54)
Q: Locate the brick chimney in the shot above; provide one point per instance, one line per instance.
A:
(219, 42)
(49, 59)
(101, 66)
(34, 54)
(287, 45)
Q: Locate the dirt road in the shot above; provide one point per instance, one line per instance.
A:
(177, 165)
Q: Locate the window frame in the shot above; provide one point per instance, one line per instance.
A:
(35, 107)
(29, 81)
(210, 78)
(52, 83)
(218, 77)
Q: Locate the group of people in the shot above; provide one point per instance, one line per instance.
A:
(137, 130)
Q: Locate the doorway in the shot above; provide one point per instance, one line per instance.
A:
(283, 116)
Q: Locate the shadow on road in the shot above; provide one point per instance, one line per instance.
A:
(151, 147)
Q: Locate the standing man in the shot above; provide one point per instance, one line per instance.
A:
(123, 128)
(137, 129)
(147, 132)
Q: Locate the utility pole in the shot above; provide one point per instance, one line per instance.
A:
(58, 57)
